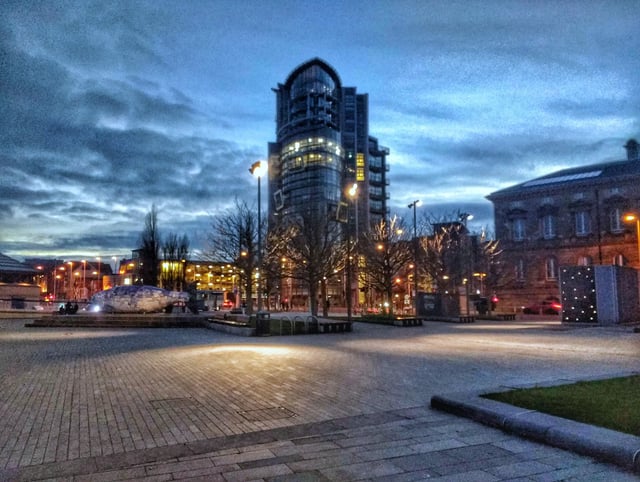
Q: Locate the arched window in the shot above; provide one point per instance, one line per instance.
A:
(618, 260)
(585, 261)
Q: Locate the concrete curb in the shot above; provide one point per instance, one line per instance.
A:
(600, 443)
(233, 329)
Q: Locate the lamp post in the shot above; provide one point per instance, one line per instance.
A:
(464, 217)
(414, 205)
(55, 283)
(99, 277)
(353, 194)
(70, 290)
(115, 270)
(84, 277)
(481, 277)
(629, 218)
(258, 170)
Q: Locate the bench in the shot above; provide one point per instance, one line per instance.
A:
(334, 326)
(408, 322)
(466, 319)
(507, 316)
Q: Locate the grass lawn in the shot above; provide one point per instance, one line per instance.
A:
(613, 403)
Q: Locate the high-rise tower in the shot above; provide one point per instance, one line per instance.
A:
(323, 147)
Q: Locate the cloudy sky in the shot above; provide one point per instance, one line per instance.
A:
(109, 107)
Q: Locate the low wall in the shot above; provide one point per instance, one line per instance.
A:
(20, 296)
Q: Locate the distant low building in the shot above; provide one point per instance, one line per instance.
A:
(78, 280)
(566, 218)
(18, 289)
(13, 271)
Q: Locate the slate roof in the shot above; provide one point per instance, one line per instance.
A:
(10, 265)
(590, 175)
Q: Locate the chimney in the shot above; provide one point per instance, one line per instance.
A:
(632, 150)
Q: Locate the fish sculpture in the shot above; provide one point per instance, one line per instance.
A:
(137, 299)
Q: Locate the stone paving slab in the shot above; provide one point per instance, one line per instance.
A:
(287, 455)
(179, 404)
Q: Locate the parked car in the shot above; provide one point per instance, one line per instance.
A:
(548, 306)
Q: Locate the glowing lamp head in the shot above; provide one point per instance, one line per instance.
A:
(258, 168)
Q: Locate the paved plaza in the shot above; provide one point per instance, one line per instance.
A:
(195, 404)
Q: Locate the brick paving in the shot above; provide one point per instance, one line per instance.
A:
(194, 404)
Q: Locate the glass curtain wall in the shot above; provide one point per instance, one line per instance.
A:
(309, 157)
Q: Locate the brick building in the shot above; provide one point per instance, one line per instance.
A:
(566, 218)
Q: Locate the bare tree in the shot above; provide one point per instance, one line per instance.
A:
(445, 256)
(150, 248)
(386, 252)
(234, 239)
(175, 251)
(489, 264)
(312, 244)
(271, 270)
(451, 257)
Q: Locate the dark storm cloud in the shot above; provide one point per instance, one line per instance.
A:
(108, 108)
(94, 35)
(117, 100)
(599, 107)
(491, 162)
(74, 146)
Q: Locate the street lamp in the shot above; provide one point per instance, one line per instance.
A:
(70, 291)
(99, 270)
(55, 283)
(629, 218)
(84, 276)
(353, 194)
(115, 270)
(481, 277)
(258, 169)
(414, 205)
(464, 217)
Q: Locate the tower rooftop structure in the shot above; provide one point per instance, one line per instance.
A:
(323, 147)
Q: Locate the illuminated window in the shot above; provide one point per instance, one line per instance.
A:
(585, 261)
(618, 260)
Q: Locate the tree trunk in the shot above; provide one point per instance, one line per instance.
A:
(323, 297)
(248, 289)
(313, 298)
